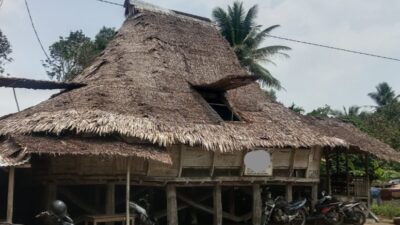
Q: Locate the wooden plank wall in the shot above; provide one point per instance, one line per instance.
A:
(186, 158)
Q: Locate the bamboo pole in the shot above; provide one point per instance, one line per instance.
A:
(217, 205)
(128, 189)
(257, 204)
(11, 180)
(10, 195)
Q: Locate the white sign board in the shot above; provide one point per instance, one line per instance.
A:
(258, 163)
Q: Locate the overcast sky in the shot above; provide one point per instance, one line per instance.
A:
(312, 76)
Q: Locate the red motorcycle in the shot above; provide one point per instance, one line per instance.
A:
(328, 210)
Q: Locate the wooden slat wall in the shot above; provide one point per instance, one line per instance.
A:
(184, 157)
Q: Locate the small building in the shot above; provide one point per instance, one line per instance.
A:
(165, 117)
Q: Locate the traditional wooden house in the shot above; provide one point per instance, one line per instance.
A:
(168, 110)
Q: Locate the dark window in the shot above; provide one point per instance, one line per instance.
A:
(217, 101)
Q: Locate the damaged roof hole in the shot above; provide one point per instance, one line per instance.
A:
(217, 101)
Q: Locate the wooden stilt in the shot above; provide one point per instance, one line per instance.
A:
(328, 174)
(289, 192)
(314, 193)
(257, 204)
(172, 208)
(10, 195)
(217, 205)
(367, 180)
(128, 190)
(110, 199)
(347, 175)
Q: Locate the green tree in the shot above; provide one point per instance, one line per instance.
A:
(296, 108)
(324, 112)
(245, 36)
(71, 55)
(5, 51)
(383, 95)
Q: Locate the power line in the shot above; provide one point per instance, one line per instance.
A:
(35, 31)
(334, 48)
(111, 3)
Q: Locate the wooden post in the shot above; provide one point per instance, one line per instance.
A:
(172, 207)
(128, 190)
(110, 199)
(328, 173)
(257, 204)
(367, 180)
(289, 192)
(217, 205)
(347, 175)
(10, 195)
(314, 193)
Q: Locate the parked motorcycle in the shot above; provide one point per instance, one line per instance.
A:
(57, 214)
(327, 210)
(279, 211)
(353, 214)
(142, 215)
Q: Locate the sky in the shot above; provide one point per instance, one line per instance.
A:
(312, 76)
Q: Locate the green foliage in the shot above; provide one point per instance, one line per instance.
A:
(383, 124)
(71, 55)
(245, 36)
(387, 209)
(296, 108)
(5, 51)
(324, 112)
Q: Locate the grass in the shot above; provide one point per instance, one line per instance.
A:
(388, 210)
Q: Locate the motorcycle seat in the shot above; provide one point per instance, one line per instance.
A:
(297, 205)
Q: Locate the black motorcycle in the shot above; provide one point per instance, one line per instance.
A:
(57, 214)
(327, 210)
(279, 211)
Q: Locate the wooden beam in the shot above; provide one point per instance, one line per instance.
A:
(367, 180)
(172, 206)
(10, 195)
(210, 210)
(212, 164)
(110, 199)
(347, 175)
(291, 162)
(217, 205)
(257, 204)
(328, 173)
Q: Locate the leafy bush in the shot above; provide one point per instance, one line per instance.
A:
(387, 209)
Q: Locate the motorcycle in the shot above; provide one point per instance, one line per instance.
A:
(327, 210)
(279, 211)
(352, 213)
(142, 215)
(57, 214)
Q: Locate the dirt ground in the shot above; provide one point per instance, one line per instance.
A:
(381, 222)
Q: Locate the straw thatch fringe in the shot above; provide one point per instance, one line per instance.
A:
(357, 139)
(224, 137)
(12, 154)
(80, 146)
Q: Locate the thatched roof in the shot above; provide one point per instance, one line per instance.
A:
(144, 86)
(14, 82)
(358, 140)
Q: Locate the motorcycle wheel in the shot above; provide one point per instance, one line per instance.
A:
(300, 219)
(334, 218)
(358, 217)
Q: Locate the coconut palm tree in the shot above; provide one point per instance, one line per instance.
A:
(384, 94)
(245, 36)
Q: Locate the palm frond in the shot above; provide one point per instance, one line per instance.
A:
(266, 77)
(236, 13)
(263, 34)
(224, 23)
(267, 52)
(249, 21)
